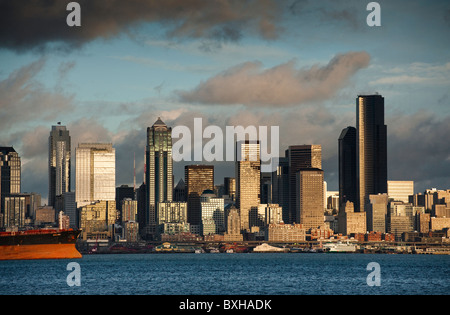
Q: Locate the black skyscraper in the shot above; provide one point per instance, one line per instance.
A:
(347, 166)
(371, 148)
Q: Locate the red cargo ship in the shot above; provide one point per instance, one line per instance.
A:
(39, 244)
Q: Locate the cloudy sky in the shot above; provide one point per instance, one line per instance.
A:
(298, 65)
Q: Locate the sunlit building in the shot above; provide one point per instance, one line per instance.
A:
(248, 175)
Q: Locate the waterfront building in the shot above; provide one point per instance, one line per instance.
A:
(97, 218)
(59, 160)
(371, 148)
(351, 222)
(172, 212)
(158, 173)
(280, 232)
(248, 184)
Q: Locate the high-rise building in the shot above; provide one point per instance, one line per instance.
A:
(376, 212)
(10, 173)
(95, 173)
(400, 190)
(198, 178)
(159, 171)
(310, 201)
(347, 166)
(59, 157)
(229, 184)
(248, 179)
(280, 187)
(213, 221)
(299, 157)
(371, 148)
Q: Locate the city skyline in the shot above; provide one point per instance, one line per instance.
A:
(111, 86)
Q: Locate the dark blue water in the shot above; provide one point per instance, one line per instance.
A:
(234, 274)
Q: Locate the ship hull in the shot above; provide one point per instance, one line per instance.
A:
(39, 245)
(39, 251)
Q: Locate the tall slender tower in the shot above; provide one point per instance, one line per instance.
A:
(299, 157)
(248, 179)
(347, 166)
(59, 157)
(158, 172)
(371, 148)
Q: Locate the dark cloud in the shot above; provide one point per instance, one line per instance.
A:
(419, 150)
(282, 85)
(36, 23)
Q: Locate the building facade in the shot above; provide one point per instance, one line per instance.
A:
(347, 165)
(310, 201)
(248, 179)
(59, 160)
(299, 157)
(371, 148)
(10, 173)
(95, 173)
(158, 173)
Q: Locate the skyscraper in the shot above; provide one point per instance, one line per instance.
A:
(198, 178)
(299, 157)
(159, 171)
(371, 148)
(10, 173)
(248, 175)
(310, 201)
(347, 166)
(95, 172)
(59, 157)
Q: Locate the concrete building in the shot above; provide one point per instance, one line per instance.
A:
(351, 222)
